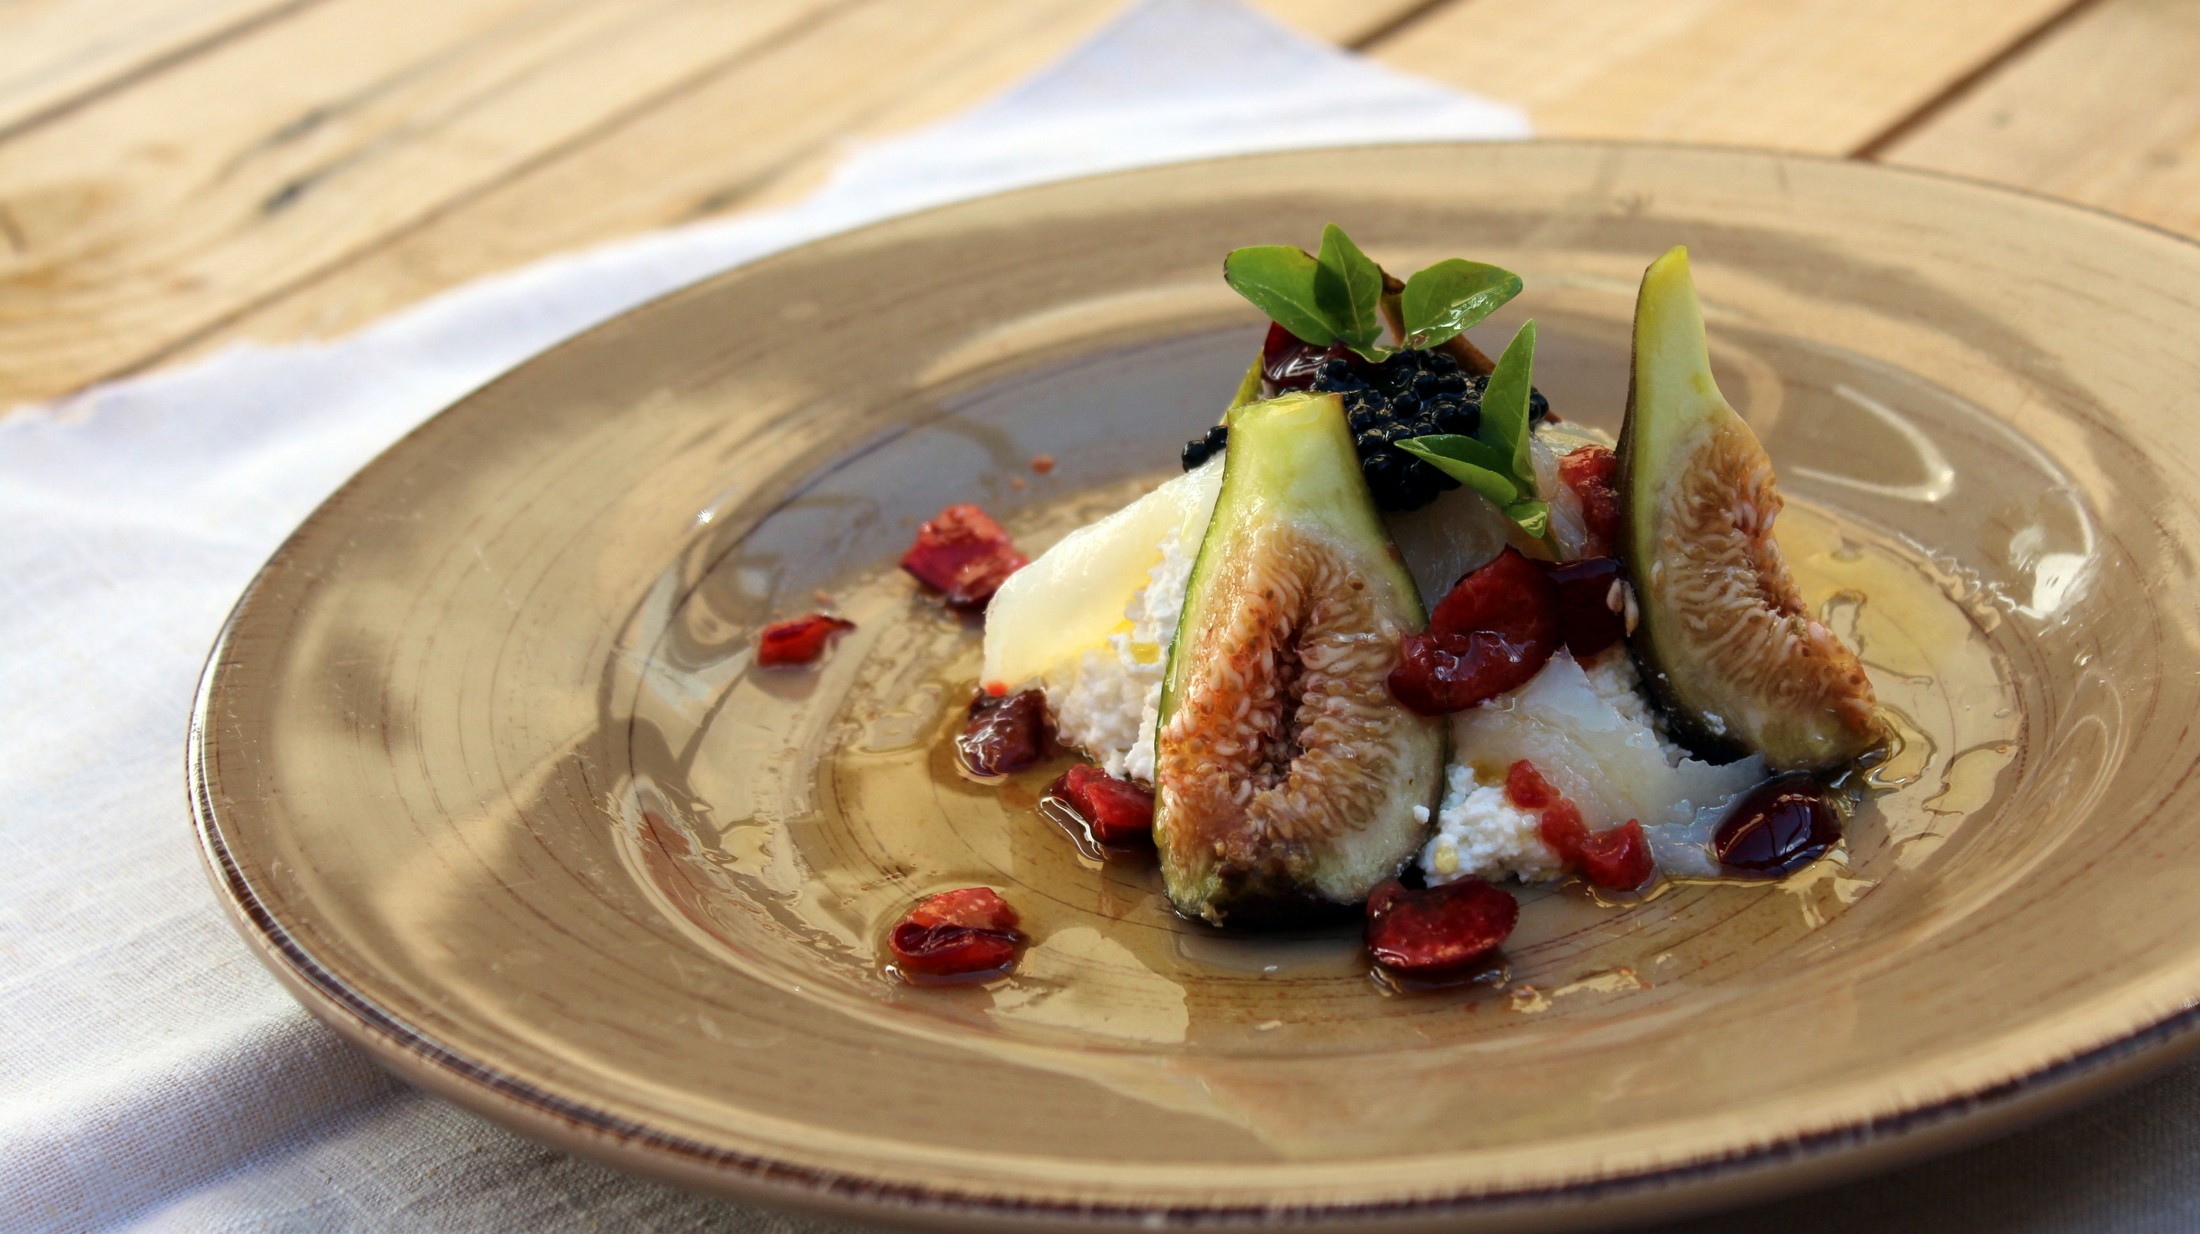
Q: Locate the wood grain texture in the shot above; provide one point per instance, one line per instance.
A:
(741, 140)
(168, 206)
(1823, 76)
(363, 155)
(2060, 120)
(55, 52)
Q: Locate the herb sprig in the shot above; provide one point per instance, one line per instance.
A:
(1337, 296)
(1496, 461)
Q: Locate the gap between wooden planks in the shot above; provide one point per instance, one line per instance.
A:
(2106, 112)
(306, 175)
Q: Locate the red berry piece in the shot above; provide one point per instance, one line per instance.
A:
(1004, 733)
(966, 934)
(1617, 858)
(1439, 932)
(1782, 824)
(1288, 362)
(1115, 811)
(1526, 788)
(800, 641)
(1592, 472)
(1563, 829)
(1507, 595)
(1491, 633)
(1591, 603)
(964, 555)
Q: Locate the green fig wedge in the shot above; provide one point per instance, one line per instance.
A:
(1723, 639)
(1285, 775)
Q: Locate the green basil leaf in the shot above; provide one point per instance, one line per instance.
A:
(1459, 449)
(1279, 280)
(1451, 296)
(1348, 287)
(1468, 461)
(1505, 406)
(1534, 517)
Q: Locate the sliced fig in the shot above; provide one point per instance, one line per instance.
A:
(1724, 639)
(1285, 775)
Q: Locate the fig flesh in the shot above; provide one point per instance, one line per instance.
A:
(1285, 776)
(1724, 639)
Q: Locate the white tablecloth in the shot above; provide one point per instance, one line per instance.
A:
(153, 1077)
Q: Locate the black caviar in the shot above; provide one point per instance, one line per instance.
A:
(1199, 449)
(1411, 394)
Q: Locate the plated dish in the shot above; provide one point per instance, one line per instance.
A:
(1391, 546)
(485, 765)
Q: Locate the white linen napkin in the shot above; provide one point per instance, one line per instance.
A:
(152, 1076)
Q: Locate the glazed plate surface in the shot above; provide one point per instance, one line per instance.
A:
(483, 768)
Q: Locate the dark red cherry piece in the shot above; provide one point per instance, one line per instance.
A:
(1438, 932)
(1004, 733)
(1288, 362)
(1591, 603)
(1780, 825)
(964, 555)
(964, 934)
(1492, 632)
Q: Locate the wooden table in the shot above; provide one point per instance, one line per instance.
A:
(176, 175)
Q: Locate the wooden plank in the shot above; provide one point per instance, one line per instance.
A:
(2105, 112)
(55, 52)
(757, 137)
(1815, 75)
(745, 139)
(171, 205)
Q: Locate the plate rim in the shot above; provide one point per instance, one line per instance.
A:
(1759, 1170)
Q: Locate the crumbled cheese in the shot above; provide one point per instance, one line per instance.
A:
(1591, 732)
(1110, 704)
(1479, 832)
(1613, 676)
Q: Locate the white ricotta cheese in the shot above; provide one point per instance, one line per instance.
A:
(1593, 736)
(1480, 833)
(1109, 703)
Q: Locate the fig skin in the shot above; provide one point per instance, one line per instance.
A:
(1724, 640)
(1285, 776)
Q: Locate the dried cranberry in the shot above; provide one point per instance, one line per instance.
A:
(799, 641)
(1491, 633)
(1288, 362)
(1439, 674)
(1587, 588)
(1592, 472)
(1526, 788)
(1438, 932)
(1562, 828)
(1617, 858)
(1004, 733)
(963, 554)
(1115, 811)
(966, 933)
(1777, 826)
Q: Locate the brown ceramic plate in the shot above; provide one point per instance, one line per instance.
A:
(482, 767)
